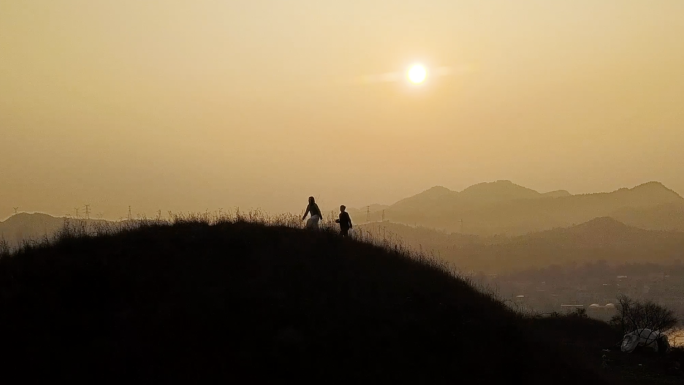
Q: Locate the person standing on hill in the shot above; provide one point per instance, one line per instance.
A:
(316, 216)
(344, 221)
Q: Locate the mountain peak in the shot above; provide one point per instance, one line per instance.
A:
(654, 186)
(500, 190)
(557, 194)
(430, 195)
(437, 189)
(434, 192)
(28, 217)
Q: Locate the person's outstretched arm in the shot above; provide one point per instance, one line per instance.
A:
(308, 208)
(350, 224)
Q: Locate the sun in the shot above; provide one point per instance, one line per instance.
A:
(417, 74)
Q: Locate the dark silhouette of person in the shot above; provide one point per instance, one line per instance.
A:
(316, 216)
(344, 221)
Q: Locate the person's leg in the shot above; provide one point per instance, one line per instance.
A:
(344, 232)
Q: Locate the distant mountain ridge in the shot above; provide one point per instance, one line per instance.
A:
(35, 227)
(503, 207)
(598, 239)
(24, 226)
(601, 238)
(481, 193)
(499, 191)
(485, 209)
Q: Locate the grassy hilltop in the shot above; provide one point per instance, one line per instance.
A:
(190, 302)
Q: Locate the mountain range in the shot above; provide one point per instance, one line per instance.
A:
(500, 226)
(505, 208)
(600, 239)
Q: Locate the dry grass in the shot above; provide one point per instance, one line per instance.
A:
(237, 296)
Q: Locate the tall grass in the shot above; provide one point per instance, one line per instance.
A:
(77, 228)
(212, 284)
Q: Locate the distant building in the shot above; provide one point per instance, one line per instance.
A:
(605, 312)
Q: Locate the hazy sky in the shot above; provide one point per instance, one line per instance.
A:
(188, 105)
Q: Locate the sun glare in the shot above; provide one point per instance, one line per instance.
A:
(417, 74)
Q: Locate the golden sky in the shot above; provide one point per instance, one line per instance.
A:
(188, 105)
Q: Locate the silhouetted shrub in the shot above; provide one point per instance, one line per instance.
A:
(634, 315)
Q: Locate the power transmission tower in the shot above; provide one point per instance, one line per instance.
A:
(16, 210)
(87, 211)
(367, 213)
(129, 213)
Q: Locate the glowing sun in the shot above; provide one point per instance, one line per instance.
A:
(417, 74)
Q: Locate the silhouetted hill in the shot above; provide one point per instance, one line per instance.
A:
(427, 198)
(602, 239)
(251, 303)
(599, 239)
(36, 227)
(666, 217)
(557, 194)
(505, 208)
(482, 193)
(499, 191)
(359, 214)
(24, 226)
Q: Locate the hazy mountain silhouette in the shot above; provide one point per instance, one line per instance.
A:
(503, 207)
(610, 234)
(557, 194)
(35, 227)
(499, 191)
(599, 239)
(667, 216)
(427, 198)
(25, 226)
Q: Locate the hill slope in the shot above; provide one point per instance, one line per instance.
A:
(193, 303)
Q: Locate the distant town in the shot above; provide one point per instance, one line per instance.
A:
(591, 288)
